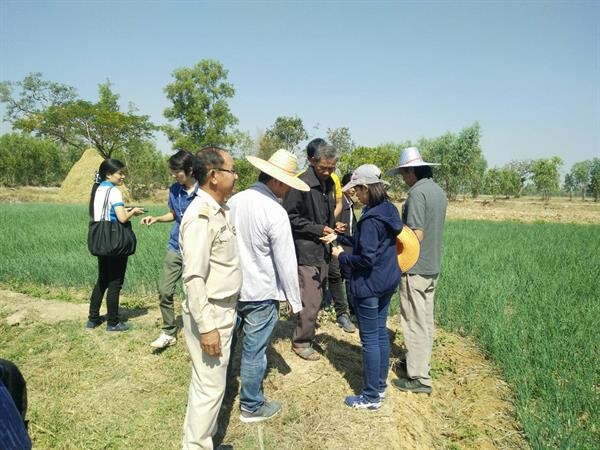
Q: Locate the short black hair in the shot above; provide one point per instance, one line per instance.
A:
(313, 145)
(325, 152)
(208, 158)
(346, 178)
(423, 172)
(183, 160)
(264, 177)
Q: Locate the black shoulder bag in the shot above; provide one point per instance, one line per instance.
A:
(106, 238)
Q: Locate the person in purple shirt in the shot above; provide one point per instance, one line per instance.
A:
(183, 166)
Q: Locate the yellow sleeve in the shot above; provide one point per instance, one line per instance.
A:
(338, 185)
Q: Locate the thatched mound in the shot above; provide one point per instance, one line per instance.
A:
(77, 184)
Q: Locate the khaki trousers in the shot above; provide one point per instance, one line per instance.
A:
(209, 373)
(416, 314)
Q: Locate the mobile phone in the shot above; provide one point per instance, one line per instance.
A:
(131, 207)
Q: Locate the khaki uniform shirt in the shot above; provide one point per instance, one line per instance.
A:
(211, 265)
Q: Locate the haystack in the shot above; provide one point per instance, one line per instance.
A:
(77, 185)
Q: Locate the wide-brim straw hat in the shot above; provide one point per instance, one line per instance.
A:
(282, 166)
(410, 157)
(407, 249)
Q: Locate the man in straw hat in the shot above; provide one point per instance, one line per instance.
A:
(212, 279)
(269, 272)
(424, 211)
(312, 217)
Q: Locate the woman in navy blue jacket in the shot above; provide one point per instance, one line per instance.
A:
(374, 277)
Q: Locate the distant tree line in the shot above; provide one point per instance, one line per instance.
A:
(53, 126)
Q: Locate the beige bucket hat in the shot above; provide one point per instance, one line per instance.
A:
(407, 249)
(282, 165)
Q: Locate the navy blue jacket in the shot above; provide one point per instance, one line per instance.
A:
(373, 264)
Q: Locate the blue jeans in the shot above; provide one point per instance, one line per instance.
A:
(372, 313)
(256, 320)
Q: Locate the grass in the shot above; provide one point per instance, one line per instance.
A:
(527, 292)
(84, 392)
(44, 244)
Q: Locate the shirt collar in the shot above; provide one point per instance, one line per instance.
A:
(183, 191)
(214, 205)
(264, 189)
(107, 183)
(418, 183)
(313, 180)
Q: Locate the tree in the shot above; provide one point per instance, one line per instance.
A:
(286, 132)
(384, 156)
(247, 174)
(147, 168)
(83, 123)
(52, 110)
(546, 176)
(340, 138)
(462, 164)
(510, 182)
(594, 186)
(34, 96)
(569, 185)
(25, 160)
(523, 168)
(243, 144)
(199, 97)
(504, 181)
(493, 182)
(267, 145)
(474, 183)
(581, 176)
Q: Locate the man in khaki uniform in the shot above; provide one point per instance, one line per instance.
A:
(212, 281)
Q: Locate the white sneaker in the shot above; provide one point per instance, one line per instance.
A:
(164, 341)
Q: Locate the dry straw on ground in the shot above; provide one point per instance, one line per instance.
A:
(471, 407)
(76, 186)
(527, 209)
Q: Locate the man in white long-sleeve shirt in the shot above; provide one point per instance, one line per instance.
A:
(269, 272)
(212, 280)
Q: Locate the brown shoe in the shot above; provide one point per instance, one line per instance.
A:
(307, 353)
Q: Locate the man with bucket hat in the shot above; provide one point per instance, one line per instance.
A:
(269, 272)
(424, 212)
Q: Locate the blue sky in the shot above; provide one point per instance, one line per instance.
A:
(529, 72)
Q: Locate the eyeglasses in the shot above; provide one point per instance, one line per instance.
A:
(231, 171)
(325, 168)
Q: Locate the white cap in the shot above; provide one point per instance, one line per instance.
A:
(365, 174)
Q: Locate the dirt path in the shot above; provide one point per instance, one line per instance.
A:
(557, 210)
(470, 407)
(21, 309)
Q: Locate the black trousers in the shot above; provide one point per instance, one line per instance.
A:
(336, 289)
(311, 280)
(111, 275)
